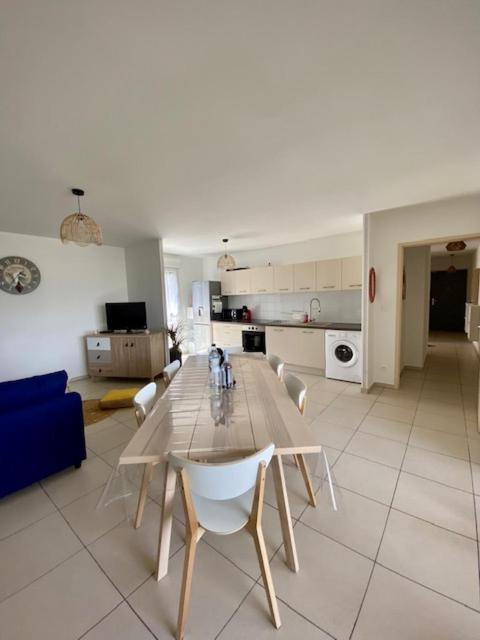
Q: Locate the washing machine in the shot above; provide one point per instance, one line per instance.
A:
(343, 355)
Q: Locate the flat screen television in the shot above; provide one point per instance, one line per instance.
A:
(126, 316)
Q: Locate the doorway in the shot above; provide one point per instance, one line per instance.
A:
(448, 294)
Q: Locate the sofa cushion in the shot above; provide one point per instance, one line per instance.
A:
(28, 391)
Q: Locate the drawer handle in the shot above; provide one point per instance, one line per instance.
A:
(131, 344)
(305, 288)
(330, 286)
(126, 344)
(354, 285)
(280, 330)
(284, 289)
(98, 344)
(98, 357)
(303, 331)
(261, 290)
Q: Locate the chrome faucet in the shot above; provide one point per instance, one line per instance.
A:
(311, 305)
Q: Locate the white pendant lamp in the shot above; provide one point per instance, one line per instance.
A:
(226, 261)
(80, 228)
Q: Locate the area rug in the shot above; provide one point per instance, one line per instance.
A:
(92, 412)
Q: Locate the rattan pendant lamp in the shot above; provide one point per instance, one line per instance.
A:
(226, 261)
(80, 228)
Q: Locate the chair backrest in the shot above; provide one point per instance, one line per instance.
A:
(226, 480)
(276, 363)
(297, 391)
(144, 401)
(170, 370)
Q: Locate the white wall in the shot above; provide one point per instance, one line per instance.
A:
(387, 230)
(339, 246)
(416, 307)
(144, 267)
(42, 331)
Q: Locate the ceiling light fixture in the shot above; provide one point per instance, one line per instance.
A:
(79, 227)
(226, 261)
(456, 245)
(451, 268)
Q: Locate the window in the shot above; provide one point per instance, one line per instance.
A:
(172, 295)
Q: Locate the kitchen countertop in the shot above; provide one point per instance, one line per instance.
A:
(316, 324)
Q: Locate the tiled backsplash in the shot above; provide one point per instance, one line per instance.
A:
(336, 306)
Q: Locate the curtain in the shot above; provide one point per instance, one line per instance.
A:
(172, 295)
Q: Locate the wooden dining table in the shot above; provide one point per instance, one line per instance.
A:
(192, 420)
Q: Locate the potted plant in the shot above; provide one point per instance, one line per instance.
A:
(175, 333)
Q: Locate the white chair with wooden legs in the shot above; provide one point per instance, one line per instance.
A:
(143, 403)
(277, 364)
(297, 390)
(223, 498)
(170, 370)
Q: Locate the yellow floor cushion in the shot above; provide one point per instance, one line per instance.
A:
(118, 398)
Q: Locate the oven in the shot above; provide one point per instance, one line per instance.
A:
(253, 339)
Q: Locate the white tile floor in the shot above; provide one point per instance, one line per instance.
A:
(398, 561)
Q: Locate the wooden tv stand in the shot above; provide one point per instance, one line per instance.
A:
(125, 355)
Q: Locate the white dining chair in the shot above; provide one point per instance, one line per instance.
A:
(143, 403)
(277, 364)
(170, 370)
(297, 391)
(223, 498)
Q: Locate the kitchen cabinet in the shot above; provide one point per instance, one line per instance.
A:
(279, 343)
(261, 280)
(329, 275)
(310, 348)
(304, 277)
(227, 281)
(242, 281)
(323, 275)
(283, 278)
(352, 272)
(227, 335)
(296, 346)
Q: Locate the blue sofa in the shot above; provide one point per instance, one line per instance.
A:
(41, 430)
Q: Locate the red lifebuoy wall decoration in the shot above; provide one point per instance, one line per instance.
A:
(372, 284)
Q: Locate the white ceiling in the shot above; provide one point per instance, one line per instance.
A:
(266, 122)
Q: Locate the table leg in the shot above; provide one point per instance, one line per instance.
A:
(166, 521)
(284, 511)
(142, 498)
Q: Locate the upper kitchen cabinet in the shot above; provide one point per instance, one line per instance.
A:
(352, 271)
(329, 275)
(283, 278)
(242, 281)
(304, 276)
(261, 280)
(227, 280)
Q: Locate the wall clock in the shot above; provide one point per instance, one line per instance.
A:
(18, 275)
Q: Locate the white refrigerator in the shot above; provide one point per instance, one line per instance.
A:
(207, 303)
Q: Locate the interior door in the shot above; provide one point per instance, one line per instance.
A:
(448, 294)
